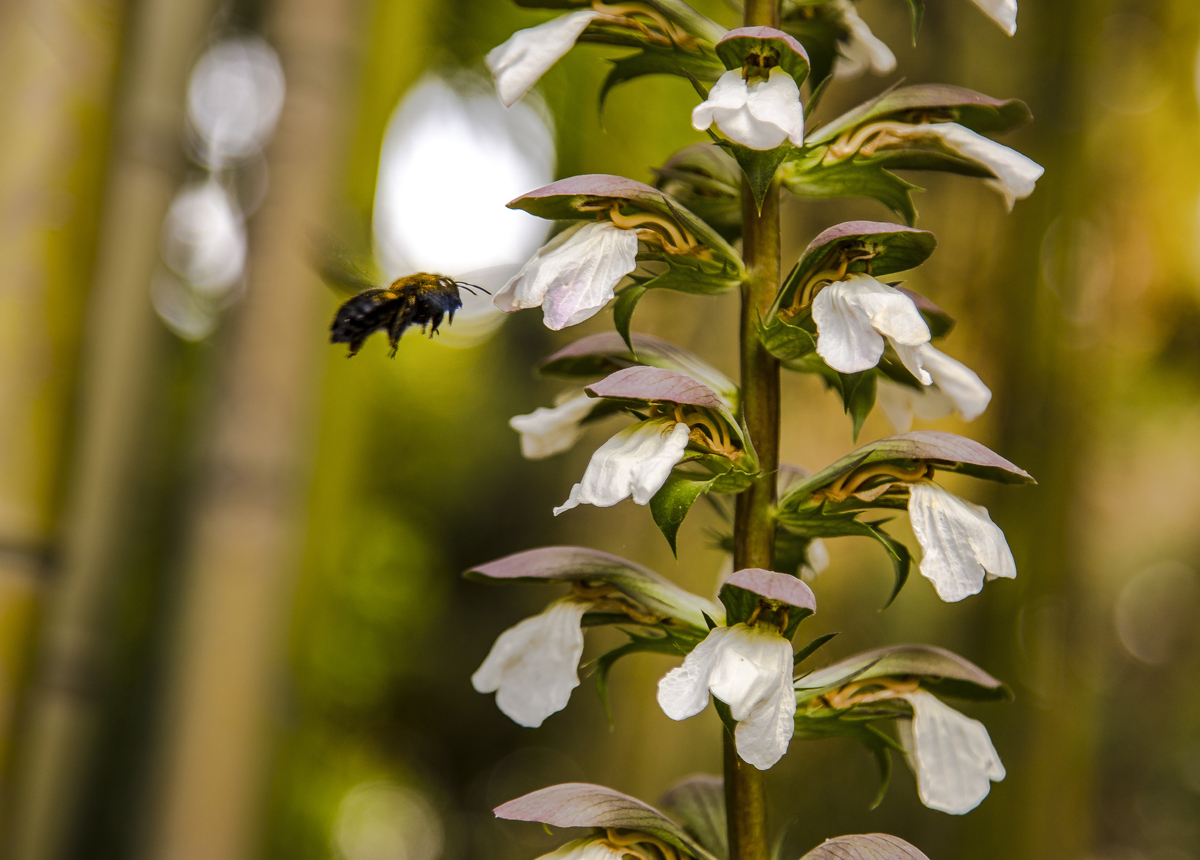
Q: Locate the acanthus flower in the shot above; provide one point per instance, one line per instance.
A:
(955, 388)
(636, 462)
(528, 54)
(749, 668)
(952, 755)
(574, 275)
(854, 315)
(960, 545)
(760, 115)
(1015, 175)
(546, 432)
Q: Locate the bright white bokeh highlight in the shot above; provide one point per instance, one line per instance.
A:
(452, 157)
(235, 95)
(204, 238)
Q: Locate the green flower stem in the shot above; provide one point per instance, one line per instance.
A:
(754, 532)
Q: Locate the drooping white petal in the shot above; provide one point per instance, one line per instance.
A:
(635, 462)
(955, 388)
(1016, 174)
(761, 115)
(528, 54)
(749, 669)
(546, 432)
(816, 560)
(961, 384)
(952, 755)
(532, 667)
(573, 276)
(960, 544)
(1003, 12)
(854, 315)
(587, 848)
(683, 692)
(861, 50)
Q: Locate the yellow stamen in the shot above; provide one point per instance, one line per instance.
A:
(624, 11)
(860, 140)
(889, 688)
(679, 239)
(848, 484)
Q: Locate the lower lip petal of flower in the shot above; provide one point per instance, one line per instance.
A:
(960, 544)
(533, 666)
(1016, 175)
(546, 432)
(853, 315)
(953, 755)
(635, 462)
(520, 62)
(961, 384)
(683, 692)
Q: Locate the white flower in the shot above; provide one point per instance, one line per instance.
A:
(528, 54)
(951, 753)
(816, 560)
(761, 116)
(635, 462)
(574, 275)
(1003, 12)
(749, 669)
(862, 50)
(546, 432)
(1016, 175)
(854, 315)
(532, 666)
(955, 388)
(960, 544)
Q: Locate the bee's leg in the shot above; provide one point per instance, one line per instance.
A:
(355, 346)
(434, 323)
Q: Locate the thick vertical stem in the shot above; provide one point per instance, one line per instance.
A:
(754, 534)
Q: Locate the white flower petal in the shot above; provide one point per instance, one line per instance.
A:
(683, 692)
(862, 50)
(573, 277)
(635, 462)
(532, 667)
(749, 669)
(1016, 174)
(546, 432)
(528, 54)
(777, 101)
(912, 358)
(1003, 12)
(952, 755)
(729, 93)
(762, 737)
(961, 384)
(959, 542)
(816, 560)
(760, 116)
(854, 314)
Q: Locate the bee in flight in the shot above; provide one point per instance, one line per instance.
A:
(421, 299)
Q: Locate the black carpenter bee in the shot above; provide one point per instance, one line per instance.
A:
(421, 299)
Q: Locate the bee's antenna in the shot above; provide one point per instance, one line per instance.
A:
(471, 287)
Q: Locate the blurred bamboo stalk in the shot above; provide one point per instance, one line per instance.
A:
(122, 345)
(245, 542)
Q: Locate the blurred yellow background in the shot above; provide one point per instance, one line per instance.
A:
(231, 618)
